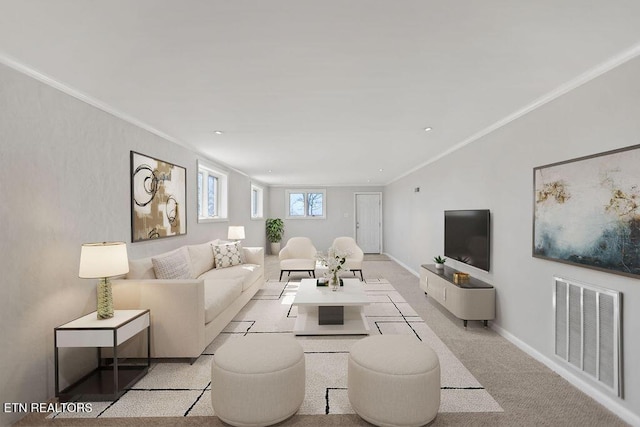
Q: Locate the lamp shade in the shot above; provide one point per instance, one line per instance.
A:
(104, 259)
(236, 232)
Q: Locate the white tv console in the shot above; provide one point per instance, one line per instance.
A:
(473, 300)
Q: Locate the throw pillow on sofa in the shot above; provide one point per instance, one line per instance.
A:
(227, 255)
(172, 266)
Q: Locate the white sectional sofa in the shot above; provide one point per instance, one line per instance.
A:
(188, 313)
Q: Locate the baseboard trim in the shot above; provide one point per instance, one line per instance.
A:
(609, 402)
(599, 396)
(405, 266)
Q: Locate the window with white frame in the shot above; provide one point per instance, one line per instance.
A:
(257, 197)
(306, 204)
(212, 192)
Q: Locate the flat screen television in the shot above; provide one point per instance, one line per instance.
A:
(467, 237)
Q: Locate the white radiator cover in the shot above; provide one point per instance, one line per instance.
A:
(588, 331)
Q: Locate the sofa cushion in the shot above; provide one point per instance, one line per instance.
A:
(201, 258)
(254, 270)
(227, 255)
(174, 265)
(141, 269)
(248, 273)
(218, 295)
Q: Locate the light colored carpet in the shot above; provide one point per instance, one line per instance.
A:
(180, 389)
(529, 392)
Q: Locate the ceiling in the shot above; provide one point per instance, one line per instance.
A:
(325, 92)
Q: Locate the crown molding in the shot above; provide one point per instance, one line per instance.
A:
(50, 81)
(94, 102)
(312, 186)
(572, 84)
(576, 82)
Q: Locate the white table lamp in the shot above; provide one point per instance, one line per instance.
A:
(101, 261)
(236, 232)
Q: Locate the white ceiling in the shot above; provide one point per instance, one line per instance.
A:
(323, 92)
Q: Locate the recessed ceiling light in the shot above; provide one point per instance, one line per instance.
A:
(427, 129)
(270, 171)
(218, 132)
(381, 169)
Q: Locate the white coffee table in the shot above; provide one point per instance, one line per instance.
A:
(322, 311)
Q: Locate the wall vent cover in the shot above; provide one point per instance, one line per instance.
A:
(588, 331)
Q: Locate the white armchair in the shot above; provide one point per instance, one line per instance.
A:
(299, 254)
(355, 255)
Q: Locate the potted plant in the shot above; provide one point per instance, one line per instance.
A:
(275, 230)
(439, 262)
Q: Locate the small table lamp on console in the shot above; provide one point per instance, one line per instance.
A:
(101, 261)
(236, 232)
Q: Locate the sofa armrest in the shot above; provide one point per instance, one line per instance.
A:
(254, 255)
(177, 313)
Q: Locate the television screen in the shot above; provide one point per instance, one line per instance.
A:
(467, 237)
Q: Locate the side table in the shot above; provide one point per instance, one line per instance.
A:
(106, 382)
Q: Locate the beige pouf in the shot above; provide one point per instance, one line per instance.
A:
(257, 380)
(394, 380)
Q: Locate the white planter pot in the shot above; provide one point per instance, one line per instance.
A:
(275, 248)
(439, 266)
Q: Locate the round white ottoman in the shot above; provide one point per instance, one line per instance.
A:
(394, 380)
(257, 380)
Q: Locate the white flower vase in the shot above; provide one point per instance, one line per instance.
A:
(334, 283)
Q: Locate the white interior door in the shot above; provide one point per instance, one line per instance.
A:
(369, 222)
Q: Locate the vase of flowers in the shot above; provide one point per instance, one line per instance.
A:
(334, 282)
(335, 262)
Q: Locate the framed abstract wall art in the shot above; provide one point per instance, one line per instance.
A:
(587, 211)
(158, 196)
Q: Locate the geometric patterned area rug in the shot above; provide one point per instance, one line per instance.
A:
(181, 389)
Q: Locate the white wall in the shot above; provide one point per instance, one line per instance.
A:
(64, 180)
(496, 173)
(340, 221)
